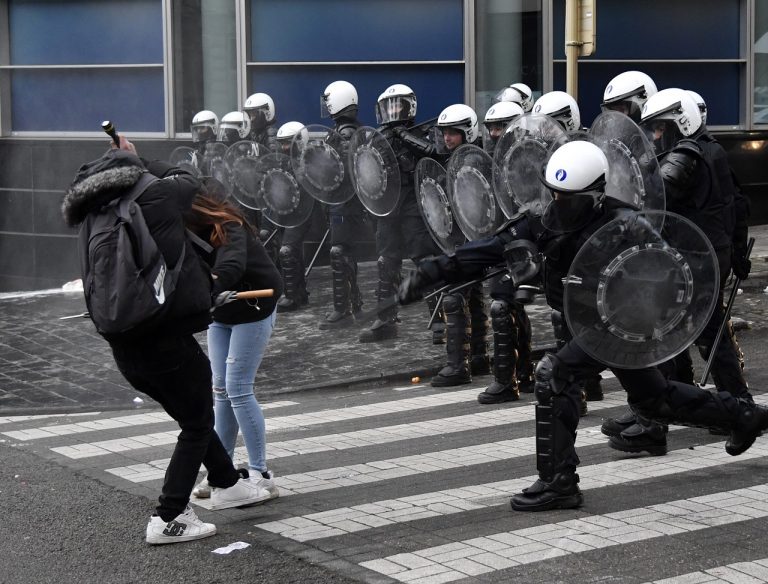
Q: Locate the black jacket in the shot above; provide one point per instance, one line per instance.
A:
(243, 264)
(163, 205)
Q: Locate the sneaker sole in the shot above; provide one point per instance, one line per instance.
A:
(166, 539)
(240, 503)
(569, 502)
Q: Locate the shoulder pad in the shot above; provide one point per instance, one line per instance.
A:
(690, 147)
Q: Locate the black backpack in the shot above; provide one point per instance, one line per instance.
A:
(125, 277)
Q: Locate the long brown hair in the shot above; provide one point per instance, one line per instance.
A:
(210, 210)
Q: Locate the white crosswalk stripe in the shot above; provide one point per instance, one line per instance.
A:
(380, 476)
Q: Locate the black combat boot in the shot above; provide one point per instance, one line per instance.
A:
(643, 436)
(457, 371)
(615, 426)
(593, 388)
(753, 419)
(562, 492)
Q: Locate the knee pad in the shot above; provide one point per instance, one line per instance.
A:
(500, 309)
(389, 269)
(287, 253)
(551, 378)
(453, 303)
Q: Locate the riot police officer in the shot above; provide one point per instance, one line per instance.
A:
(512, 366)
(402, 232)
(576, 174)
(261, 111)
(234, 126)
(205, 129)
(699, 185)
(465, 315)
(339, 102)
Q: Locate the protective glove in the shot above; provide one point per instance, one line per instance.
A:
(399, 131)
(411, 288)
(223, 298)
(740, 265)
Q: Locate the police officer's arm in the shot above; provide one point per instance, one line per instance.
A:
(229, 266)
(418, 146)
(678, 169)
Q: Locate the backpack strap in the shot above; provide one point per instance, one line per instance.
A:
(140, 186)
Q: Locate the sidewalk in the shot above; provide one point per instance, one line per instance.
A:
(47, 364)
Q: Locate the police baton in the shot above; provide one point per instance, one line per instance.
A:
(317, 252)
(726, 318)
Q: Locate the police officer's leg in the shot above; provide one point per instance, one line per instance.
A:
(438, 323)
(558, 395)
(295, 293)
(479, 361)
(343, 273)
(563, 336)
(524, 364)
(505, 355)
(457, 371)
(670, 402)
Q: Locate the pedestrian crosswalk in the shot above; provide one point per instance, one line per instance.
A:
(412, 484)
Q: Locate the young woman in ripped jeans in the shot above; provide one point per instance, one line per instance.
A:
(240, 331)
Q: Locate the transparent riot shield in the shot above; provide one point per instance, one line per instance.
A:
(215, 164)
(470, 180)
(375, 172)
(637, 295)
(634, 177)
(285, 203)
(186, 158)
(320, 164)
(243, 161)
(519, 157)
(434, 204)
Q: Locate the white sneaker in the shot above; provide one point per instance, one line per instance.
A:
(185, 527)
(268, 484)
(243, 492)
(202, 490)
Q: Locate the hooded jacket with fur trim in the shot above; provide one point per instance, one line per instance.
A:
(163, 204)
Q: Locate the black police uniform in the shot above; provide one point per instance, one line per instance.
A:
(557, 375)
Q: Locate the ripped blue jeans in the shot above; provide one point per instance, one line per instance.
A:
(235, 351)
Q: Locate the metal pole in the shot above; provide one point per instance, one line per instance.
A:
(726, 318)
(572, 48)
(317, 252)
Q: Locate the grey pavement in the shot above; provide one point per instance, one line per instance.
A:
(48, 364)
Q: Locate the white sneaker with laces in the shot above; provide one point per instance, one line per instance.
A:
(185, 527)
(202, 490)
(268, 484)
(244, 492)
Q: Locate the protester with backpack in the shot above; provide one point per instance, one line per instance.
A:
(154, 346)
(240, 331)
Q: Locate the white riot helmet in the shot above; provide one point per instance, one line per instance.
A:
(497, 120)
(627, 93)
(286, 133)
(701, 103)
(260, 109)
(234, 126)
(561, 107)
(576, 173)
(518, 93)
(396, 104)
(462, 118)
(668, 117)
(205, 127)
(338, 97)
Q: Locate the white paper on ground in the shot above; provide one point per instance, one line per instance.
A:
(238, 545)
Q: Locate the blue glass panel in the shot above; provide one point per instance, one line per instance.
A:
(363, 30)
(296, 90)
(51, 32)
(78, 100)
(718, 83)
(652, 29)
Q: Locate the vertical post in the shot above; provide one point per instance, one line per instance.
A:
(572, 48)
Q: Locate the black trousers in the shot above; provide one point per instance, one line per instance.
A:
(176, 373)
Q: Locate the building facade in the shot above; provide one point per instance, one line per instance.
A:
(150, 65)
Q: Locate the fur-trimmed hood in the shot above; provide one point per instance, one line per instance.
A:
(98, 182)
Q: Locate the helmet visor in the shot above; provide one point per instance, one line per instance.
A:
(324, 111)
(229, 135)
(258, 115)
(203, 133)
(663, 134)
(399, 108)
